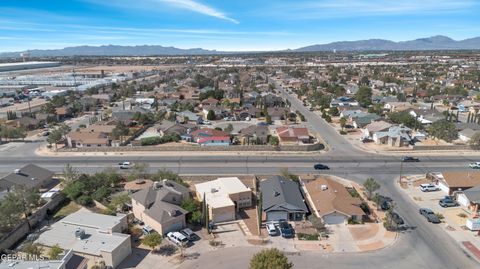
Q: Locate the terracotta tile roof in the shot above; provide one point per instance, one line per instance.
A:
(330, 196)
(292, 132)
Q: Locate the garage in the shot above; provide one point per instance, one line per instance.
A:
(463, 200)
(277, 215)
(334, 218)
(222, 214)
(174, 227)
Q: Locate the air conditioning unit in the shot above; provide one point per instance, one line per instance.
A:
(324, 187)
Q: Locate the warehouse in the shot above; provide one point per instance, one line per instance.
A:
(6, 67)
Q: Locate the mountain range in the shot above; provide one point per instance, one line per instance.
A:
(430, 43)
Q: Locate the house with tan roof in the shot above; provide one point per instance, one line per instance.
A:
(81, 139)
(331, 201)
(453, 181)
(224, 197)
(376, 126)
(290, 134)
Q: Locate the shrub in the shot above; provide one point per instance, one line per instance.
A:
(343, 132)
(85, 200)
(305, 236)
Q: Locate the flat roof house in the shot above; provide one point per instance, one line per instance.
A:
(282, 199)
(224, 196)
(331, 201)
(94, 236)
(159, 206)
(67, 260)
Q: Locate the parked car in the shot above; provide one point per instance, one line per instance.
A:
(397, 220)
(272, 229)
(407, 159)
(206, 122)
(385, 202)
(286, 229)
(447, 201)
(320, 166)
(429, 215)
(367, 140)
(189, 234)
(177, 238)
(426, 187)
(475, 165)
(147, 230)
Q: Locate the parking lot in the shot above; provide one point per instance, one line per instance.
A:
(453, 218)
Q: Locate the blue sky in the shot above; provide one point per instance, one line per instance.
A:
(229, 24)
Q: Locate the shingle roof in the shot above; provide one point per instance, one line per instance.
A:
(30, 176)
(279, 193)
(462, 179)
(473, 194)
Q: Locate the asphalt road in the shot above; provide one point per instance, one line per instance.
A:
(424, 246)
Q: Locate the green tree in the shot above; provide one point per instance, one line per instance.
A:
(404, 118)
(273, 140)
(334, 111)
(475, 140)
(268, 119)
(364, 96)
(371, 185)
(33, 249)
(270, 259)
(229, 128)
(211, 115)
(152, 240)
(119, 131)
(54, 252)
(343, 122)
(443, 129)
(54, 137)
(70, 174)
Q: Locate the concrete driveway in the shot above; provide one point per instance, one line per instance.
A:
(230, 235)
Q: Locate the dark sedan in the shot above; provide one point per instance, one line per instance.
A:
(320, 166)
(407, 159)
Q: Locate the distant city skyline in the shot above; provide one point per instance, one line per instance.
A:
(245, 25)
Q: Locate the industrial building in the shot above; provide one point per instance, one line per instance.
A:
(7, 67)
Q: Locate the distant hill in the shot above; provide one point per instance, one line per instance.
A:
(111, 50)
(430, 43)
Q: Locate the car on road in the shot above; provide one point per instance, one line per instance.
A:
(320, 166)
(474, 165)
(272, 229)
(286, 229)
(177, 238)
(408, 159)
(426, 187)
(429, 215)
(189, 234)
(124, 165)
(447, 201)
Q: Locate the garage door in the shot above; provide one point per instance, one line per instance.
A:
(444, 187)
(463, 200)
(334, 218)
(175, 227)
(221, 217)
(277, 215)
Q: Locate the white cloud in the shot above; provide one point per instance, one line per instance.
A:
(357, 8)
(153, 5)
(199, 8)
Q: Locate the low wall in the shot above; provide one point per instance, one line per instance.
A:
(312, 147)
(444, 147)
(21, 230)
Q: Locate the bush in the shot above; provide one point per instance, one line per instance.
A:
(85, 200)
(343, 132)
(149, 141)
(308, 237)
(462, 215)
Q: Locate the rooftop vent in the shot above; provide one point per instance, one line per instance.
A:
(16, 171)
(323, 187)
(213, 190)
(80, 234)
(276, 193)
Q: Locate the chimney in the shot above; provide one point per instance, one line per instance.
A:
(16, 171)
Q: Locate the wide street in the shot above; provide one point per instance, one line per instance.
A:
(424, 246)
